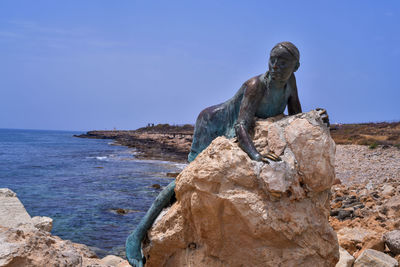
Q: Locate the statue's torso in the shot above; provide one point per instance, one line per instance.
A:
(220, 120)
(273, 101)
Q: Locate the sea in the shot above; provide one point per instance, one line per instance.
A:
(81, 183)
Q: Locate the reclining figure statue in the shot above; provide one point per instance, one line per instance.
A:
(262, 96)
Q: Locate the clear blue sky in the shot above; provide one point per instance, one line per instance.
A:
(82, 65)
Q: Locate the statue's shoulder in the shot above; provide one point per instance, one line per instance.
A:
(254, 81)
(253, 85)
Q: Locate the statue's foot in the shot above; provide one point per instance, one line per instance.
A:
(134, 240)
(136, 263)
(134, 250)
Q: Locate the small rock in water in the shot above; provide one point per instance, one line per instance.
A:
(172, 174)
(156, 186)
(122, 211)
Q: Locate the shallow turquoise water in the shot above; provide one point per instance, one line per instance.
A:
(79, 183)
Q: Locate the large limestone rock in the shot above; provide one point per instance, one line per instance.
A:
(38, 248)
(26, 241)
(14, 215)
(12, 211)
(232, 211)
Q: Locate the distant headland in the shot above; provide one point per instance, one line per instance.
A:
(161, 141)
(172, 142)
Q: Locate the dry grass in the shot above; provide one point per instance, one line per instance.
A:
(371, 134)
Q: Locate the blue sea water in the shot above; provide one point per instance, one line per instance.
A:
(80, 183)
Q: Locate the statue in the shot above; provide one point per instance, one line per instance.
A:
(262, 96)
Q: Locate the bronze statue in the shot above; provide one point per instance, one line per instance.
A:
(262, 96)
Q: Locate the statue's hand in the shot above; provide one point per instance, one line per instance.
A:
(270, 156)
(324, 116)
(273, 156)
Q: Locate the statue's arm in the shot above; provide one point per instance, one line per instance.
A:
(294, 106)
(248, 108)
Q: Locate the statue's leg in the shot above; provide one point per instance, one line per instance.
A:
(209, 125)
(134, 240)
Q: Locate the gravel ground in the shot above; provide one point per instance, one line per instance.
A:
(359, 164)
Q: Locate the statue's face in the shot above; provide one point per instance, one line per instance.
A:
(281, 64)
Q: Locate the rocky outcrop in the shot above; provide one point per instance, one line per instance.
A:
(392, 240)
(232, 211)
(43, 223)
(345, 260)
(12, 212)
(371, 258)
(14, 215)
(357, 238)
(38, 248)
(26, 241)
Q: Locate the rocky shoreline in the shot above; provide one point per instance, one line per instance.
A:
(365, 202)
(169, 143)
(26, 241)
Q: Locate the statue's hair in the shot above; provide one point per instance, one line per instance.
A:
(289, 47)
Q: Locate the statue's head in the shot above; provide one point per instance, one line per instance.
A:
(283, 61)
